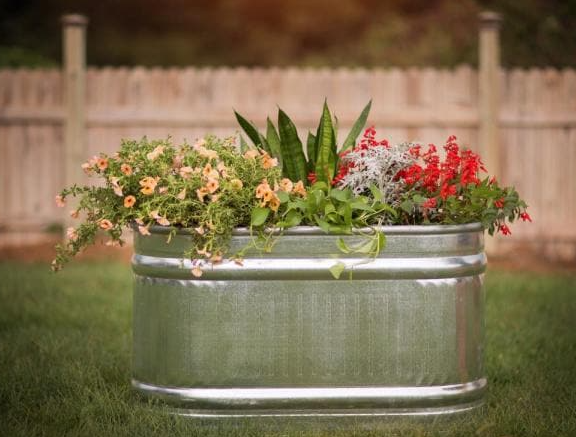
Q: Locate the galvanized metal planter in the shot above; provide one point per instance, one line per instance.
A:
(281, 336)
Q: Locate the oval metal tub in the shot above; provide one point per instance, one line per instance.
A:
(402, 334)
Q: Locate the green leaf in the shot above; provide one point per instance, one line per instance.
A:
(273, 140)
(357, 127)
(342, 246)
(283, 196)
(376, 193)
(418, 199)
(407, 206)
(311, 151)
(249, 128)
(340, 195)
(329, 209)
(293, 218)
(293, 159)
(326, 155)
(259, 216)
(361, 206)
(264, 144)
(337, 269)
(324, 225)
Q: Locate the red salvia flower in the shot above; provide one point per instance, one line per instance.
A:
(505, 230)
(525, 217)
(499, 203)
(430, 203)
(447, 190)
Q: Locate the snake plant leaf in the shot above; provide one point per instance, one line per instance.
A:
(311, 151)
(357, 127)
(294, 160)
(264, 144)
(249, 128)
(273, 140)
(326, 156)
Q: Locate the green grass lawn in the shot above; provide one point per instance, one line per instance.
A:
(65, 360)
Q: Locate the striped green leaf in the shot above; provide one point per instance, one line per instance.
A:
(357, 127)
(249, 128)
(273, 140)
(294, 160)
(311, 151)
(326, 156)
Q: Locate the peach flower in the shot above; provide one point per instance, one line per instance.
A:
(129, 201)
(105, 224)
(60, 202)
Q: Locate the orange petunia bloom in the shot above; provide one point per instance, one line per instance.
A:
(60, 202)
(129, 201)
(274, 203)
(72, 234)
(268, 161)
(212, 185)
(148, 184)
(106, 224)
(102, 163)
(143, 230)
(197, 271)
(262, 189)
(286, 185)
(251, 154)
(185, 172)
(201, 193)
(74, 213)
(147, 190)
(181, 195)
(299, 189)
(126, 169)
(155, 153)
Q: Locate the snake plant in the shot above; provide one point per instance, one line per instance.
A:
(321, 156)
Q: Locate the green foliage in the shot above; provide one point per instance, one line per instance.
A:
(321, 156)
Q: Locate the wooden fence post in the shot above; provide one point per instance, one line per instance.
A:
(74, 68)
(489, 96)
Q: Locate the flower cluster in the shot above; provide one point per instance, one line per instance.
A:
(209, 188)
(424, 188)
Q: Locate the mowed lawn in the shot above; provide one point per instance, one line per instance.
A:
(65, 361)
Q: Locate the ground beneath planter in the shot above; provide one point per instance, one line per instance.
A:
(38, 247)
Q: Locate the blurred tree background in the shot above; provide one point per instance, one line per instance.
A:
(289, 32)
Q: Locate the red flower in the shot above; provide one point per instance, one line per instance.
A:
(505, 230)
(499, 203)
(525, 217)
(447, 190)
(312, 177)
(411, 175)
(430, 203)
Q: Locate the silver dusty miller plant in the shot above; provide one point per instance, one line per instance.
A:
(378, 165)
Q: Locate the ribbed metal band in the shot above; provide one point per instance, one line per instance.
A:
(317, 268)
(312, 400)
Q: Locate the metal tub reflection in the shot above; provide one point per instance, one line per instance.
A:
(280, 336)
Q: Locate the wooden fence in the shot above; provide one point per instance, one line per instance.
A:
(537, 123)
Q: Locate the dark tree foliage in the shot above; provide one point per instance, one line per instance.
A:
(288, 32)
